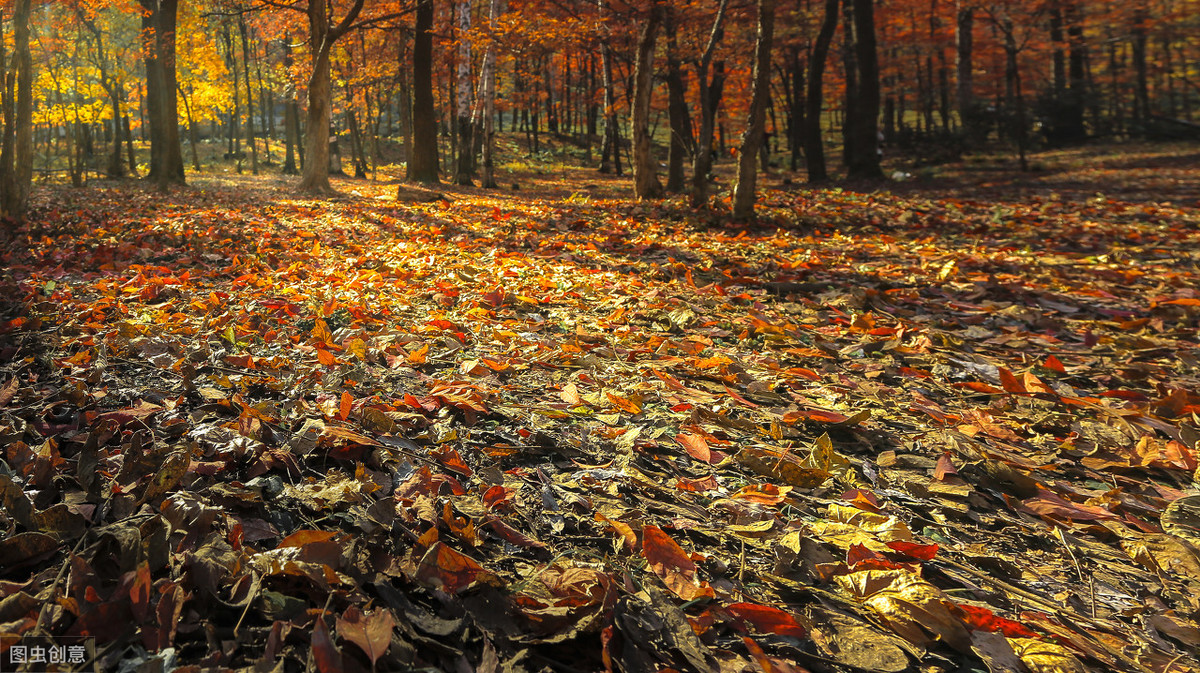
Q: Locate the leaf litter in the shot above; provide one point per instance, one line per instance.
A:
(244, 431)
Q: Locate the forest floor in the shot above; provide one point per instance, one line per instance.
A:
(948, 423)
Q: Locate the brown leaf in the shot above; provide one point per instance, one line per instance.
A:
(324, 652)
(697, 447)
(371, 631)
(570, 395)
(304, 537)
(450, 570)
(672, 564)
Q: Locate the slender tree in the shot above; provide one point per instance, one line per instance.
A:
(814, 148)
(864, 125)
(485, 110)
(465, 168)
(752, 139)
(645, 173)
(16, 147)
(710, 95)
(682, 143)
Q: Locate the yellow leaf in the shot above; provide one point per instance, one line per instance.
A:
(886, 528)
(321, 332)
(1040, 656)
(915, 609)
(631, 405)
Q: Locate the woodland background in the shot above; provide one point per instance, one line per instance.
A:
(428, 84)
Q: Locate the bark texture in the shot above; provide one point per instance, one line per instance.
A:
(645, 174)
(814, 148)
(752, 139)
(158, 35)
(423, 160)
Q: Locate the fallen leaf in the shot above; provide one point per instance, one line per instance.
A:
(371, 631)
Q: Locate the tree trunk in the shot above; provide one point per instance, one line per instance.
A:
(682, 141)
(423, 160)
(315, 178)
(249, 96)
(358, 156)
(743, 193)
(610, 157)
(404, 97)
(645, 175)
(291, 115)
(16, 153)
(1016, 99)
(129, 148)
(465, 170)
(710, 95)
(158, 35)
(1076, 73)
(486, 106)
(194, 141)
(964, 38)
(814, 148)
(864, 162)
(850, 75)
(321, 37)
(267, 105)
(235, 140)
(1141, 91)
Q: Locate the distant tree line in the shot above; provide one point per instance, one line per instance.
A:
(652, 87)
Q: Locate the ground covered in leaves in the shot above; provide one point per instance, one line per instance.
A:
(929, 427)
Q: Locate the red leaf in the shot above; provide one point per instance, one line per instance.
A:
(324, 652)
(344, 408)
(759, 656)
(371, 631)
(858, 553)
(766, 619)
(708, 483)
(1054, 364)
(982, 619)
(818, 415)
(498, 497)
(672, 564)
(449, 459)
(511, 534)
(1010, 383)
(922, 552)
